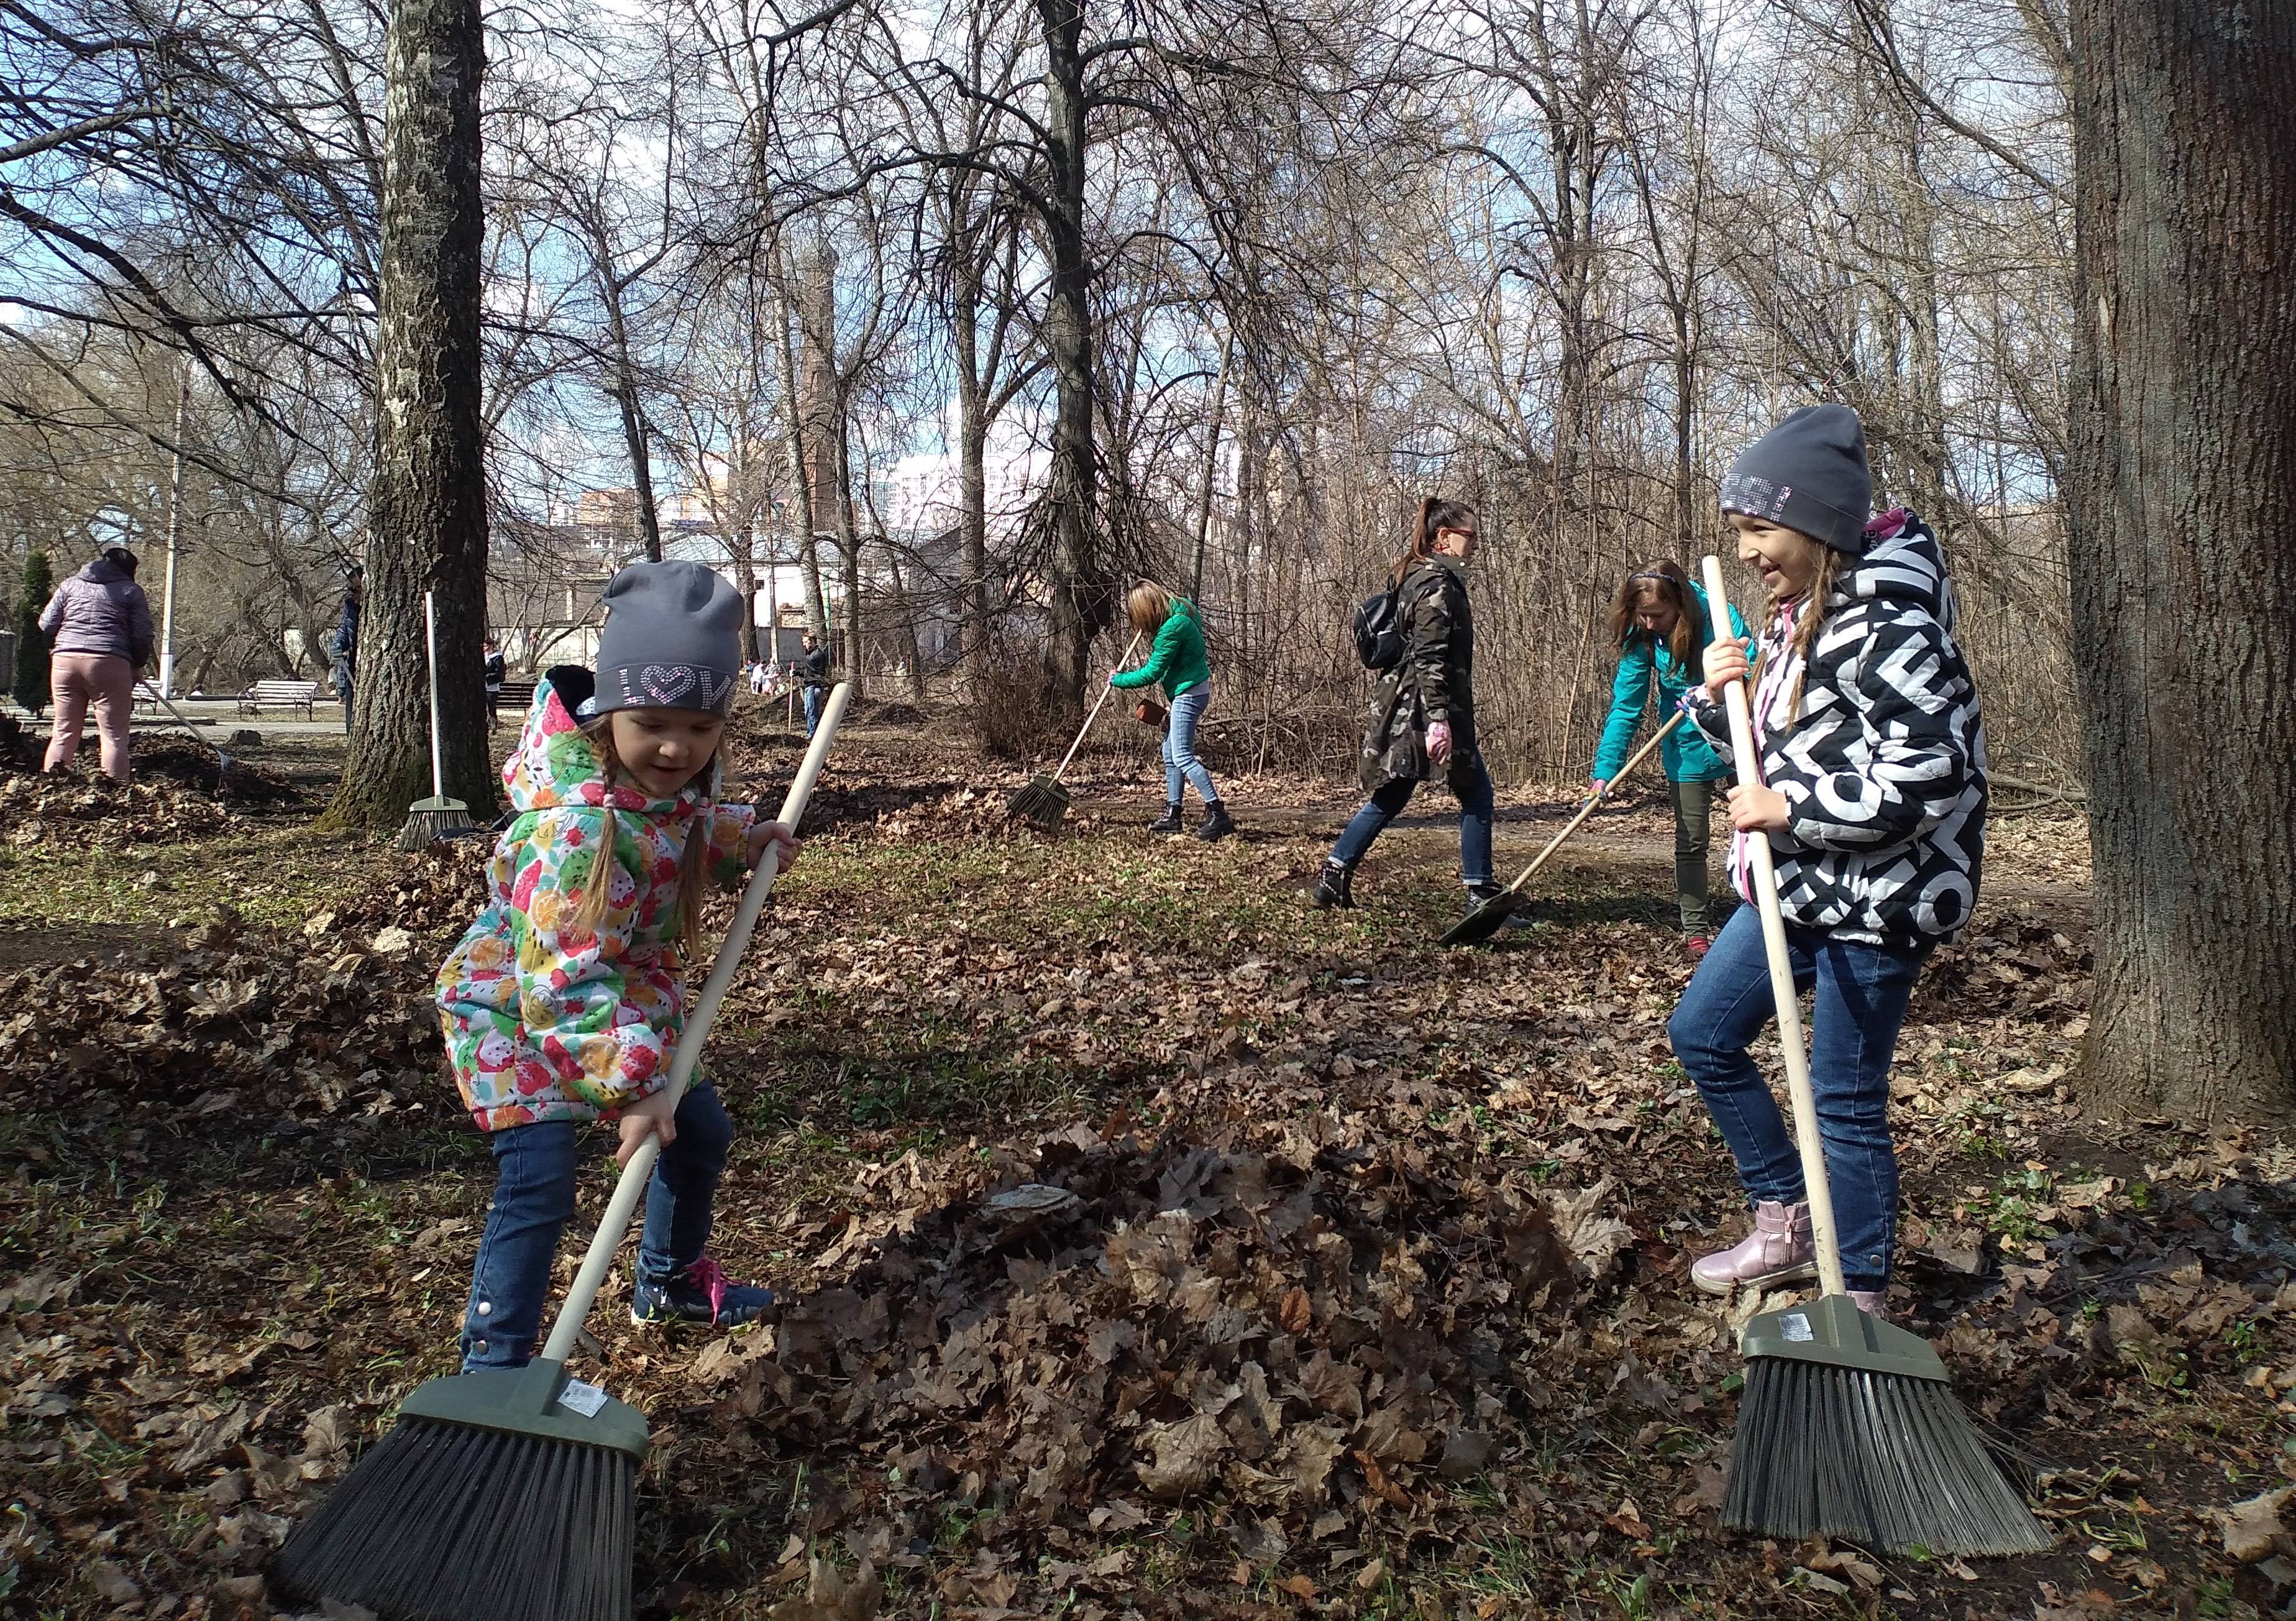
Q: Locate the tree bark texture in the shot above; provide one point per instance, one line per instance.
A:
(1079, 606)
(427, 518)
(2183, 456)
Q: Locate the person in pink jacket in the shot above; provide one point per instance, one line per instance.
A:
(564, 1001)
(99, 625)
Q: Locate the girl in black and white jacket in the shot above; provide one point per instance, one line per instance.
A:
(1873, 798)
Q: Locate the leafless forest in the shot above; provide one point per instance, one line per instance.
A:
(1233, 283)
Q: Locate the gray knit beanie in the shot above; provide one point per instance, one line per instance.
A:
(1808, 474)
(672, 640)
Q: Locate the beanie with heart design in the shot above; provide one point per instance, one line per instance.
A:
(672, 640)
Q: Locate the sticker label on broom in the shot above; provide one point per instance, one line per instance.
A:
(1793, 1325)
(587, 1399)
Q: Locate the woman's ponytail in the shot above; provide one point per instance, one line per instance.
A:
(1436, 515)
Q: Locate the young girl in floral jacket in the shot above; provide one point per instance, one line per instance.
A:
(1873, 797)
(564, 1003)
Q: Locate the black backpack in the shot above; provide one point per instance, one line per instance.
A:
(1379, 628)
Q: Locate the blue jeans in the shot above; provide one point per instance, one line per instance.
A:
(811, 698)
(1180, 762)
(1862, 991)
(534, 1198)
(1471, 782)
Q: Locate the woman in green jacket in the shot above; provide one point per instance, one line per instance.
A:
(1178, 661)
(1660, 622)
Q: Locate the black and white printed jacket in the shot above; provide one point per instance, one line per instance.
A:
(1882, 760)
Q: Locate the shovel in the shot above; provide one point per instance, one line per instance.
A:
(1486, 919)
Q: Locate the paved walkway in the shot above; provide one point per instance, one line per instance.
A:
(222, 713)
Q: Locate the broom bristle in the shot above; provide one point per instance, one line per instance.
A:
(426, 828)
(1890, 1462)
(1042, 803)
(453, 1522)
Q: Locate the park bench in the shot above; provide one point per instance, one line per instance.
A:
(515, 697)
(280, 695)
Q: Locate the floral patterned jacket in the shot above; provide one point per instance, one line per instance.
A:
(545, 1019)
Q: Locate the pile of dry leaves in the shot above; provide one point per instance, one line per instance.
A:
(81, 810)
(241, 1023)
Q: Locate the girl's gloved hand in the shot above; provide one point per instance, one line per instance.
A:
(761, 835)
(649, 1117)
(1596, 786)
(1726, 663)
(1438, 742)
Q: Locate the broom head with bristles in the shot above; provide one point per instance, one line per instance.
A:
(491, 1500)
(1849, 1428)
(429, 820)
(1485, 921)
(1041, 804)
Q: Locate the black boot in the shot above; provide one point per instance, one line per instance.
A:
(1335, 886)
(1169, 822)
(1217, 824)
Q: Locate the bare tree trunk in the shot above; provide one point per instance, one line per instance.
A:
(2183, 453)
(634, 440)
(427, 515)
(803, 530)
(848, 548)
(1211, 473)
(1079, 606)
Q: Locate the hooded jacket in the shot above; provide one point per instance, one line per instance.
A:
(102, 610)
(545, 1019)
(1685, 753)
(1878, 747)
(1177, 659)
(1433, 680)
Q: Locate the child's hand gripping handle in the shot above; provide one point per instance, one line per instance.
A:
(1791, 1041)
(623, 1208)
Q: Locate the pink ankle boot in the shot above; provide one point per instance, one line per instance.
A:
(1779, 1250)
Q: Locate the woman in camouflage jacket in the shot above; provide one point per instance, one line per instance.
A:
(1423, 712)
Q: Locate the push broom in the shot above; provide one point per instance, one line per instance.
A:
(1486, 919)
(437, 817)
(510, 1495)
(1045, 802)
(1847, 1427)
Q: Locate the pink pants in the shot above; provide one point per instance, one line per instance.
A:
(105, 680)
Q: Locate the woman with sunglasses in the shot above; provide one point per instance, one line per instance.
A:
(1659, 621)
(1423, 711)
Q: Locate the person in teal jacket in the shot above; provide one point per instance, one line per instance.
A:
(1661, 622)
(1178, 661)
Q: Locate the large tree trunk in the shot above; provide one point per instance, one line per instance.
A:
(2183, 454)
(1080, 597)
(427, 516)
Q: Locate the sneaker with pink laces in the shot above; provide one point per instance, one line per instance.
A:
(702, 1293)
(1779, 1250)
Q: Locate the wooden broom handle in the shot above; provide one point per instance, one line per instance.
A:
(1594, 800)
(1791, 1041)
(1089, 719)
(622, 1208)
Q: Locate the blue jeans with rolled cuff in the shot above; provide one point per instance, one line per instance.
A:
(810, 696)
(1860, 1003)
(535, 1170)
(1472, 781)
(1180, 762)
